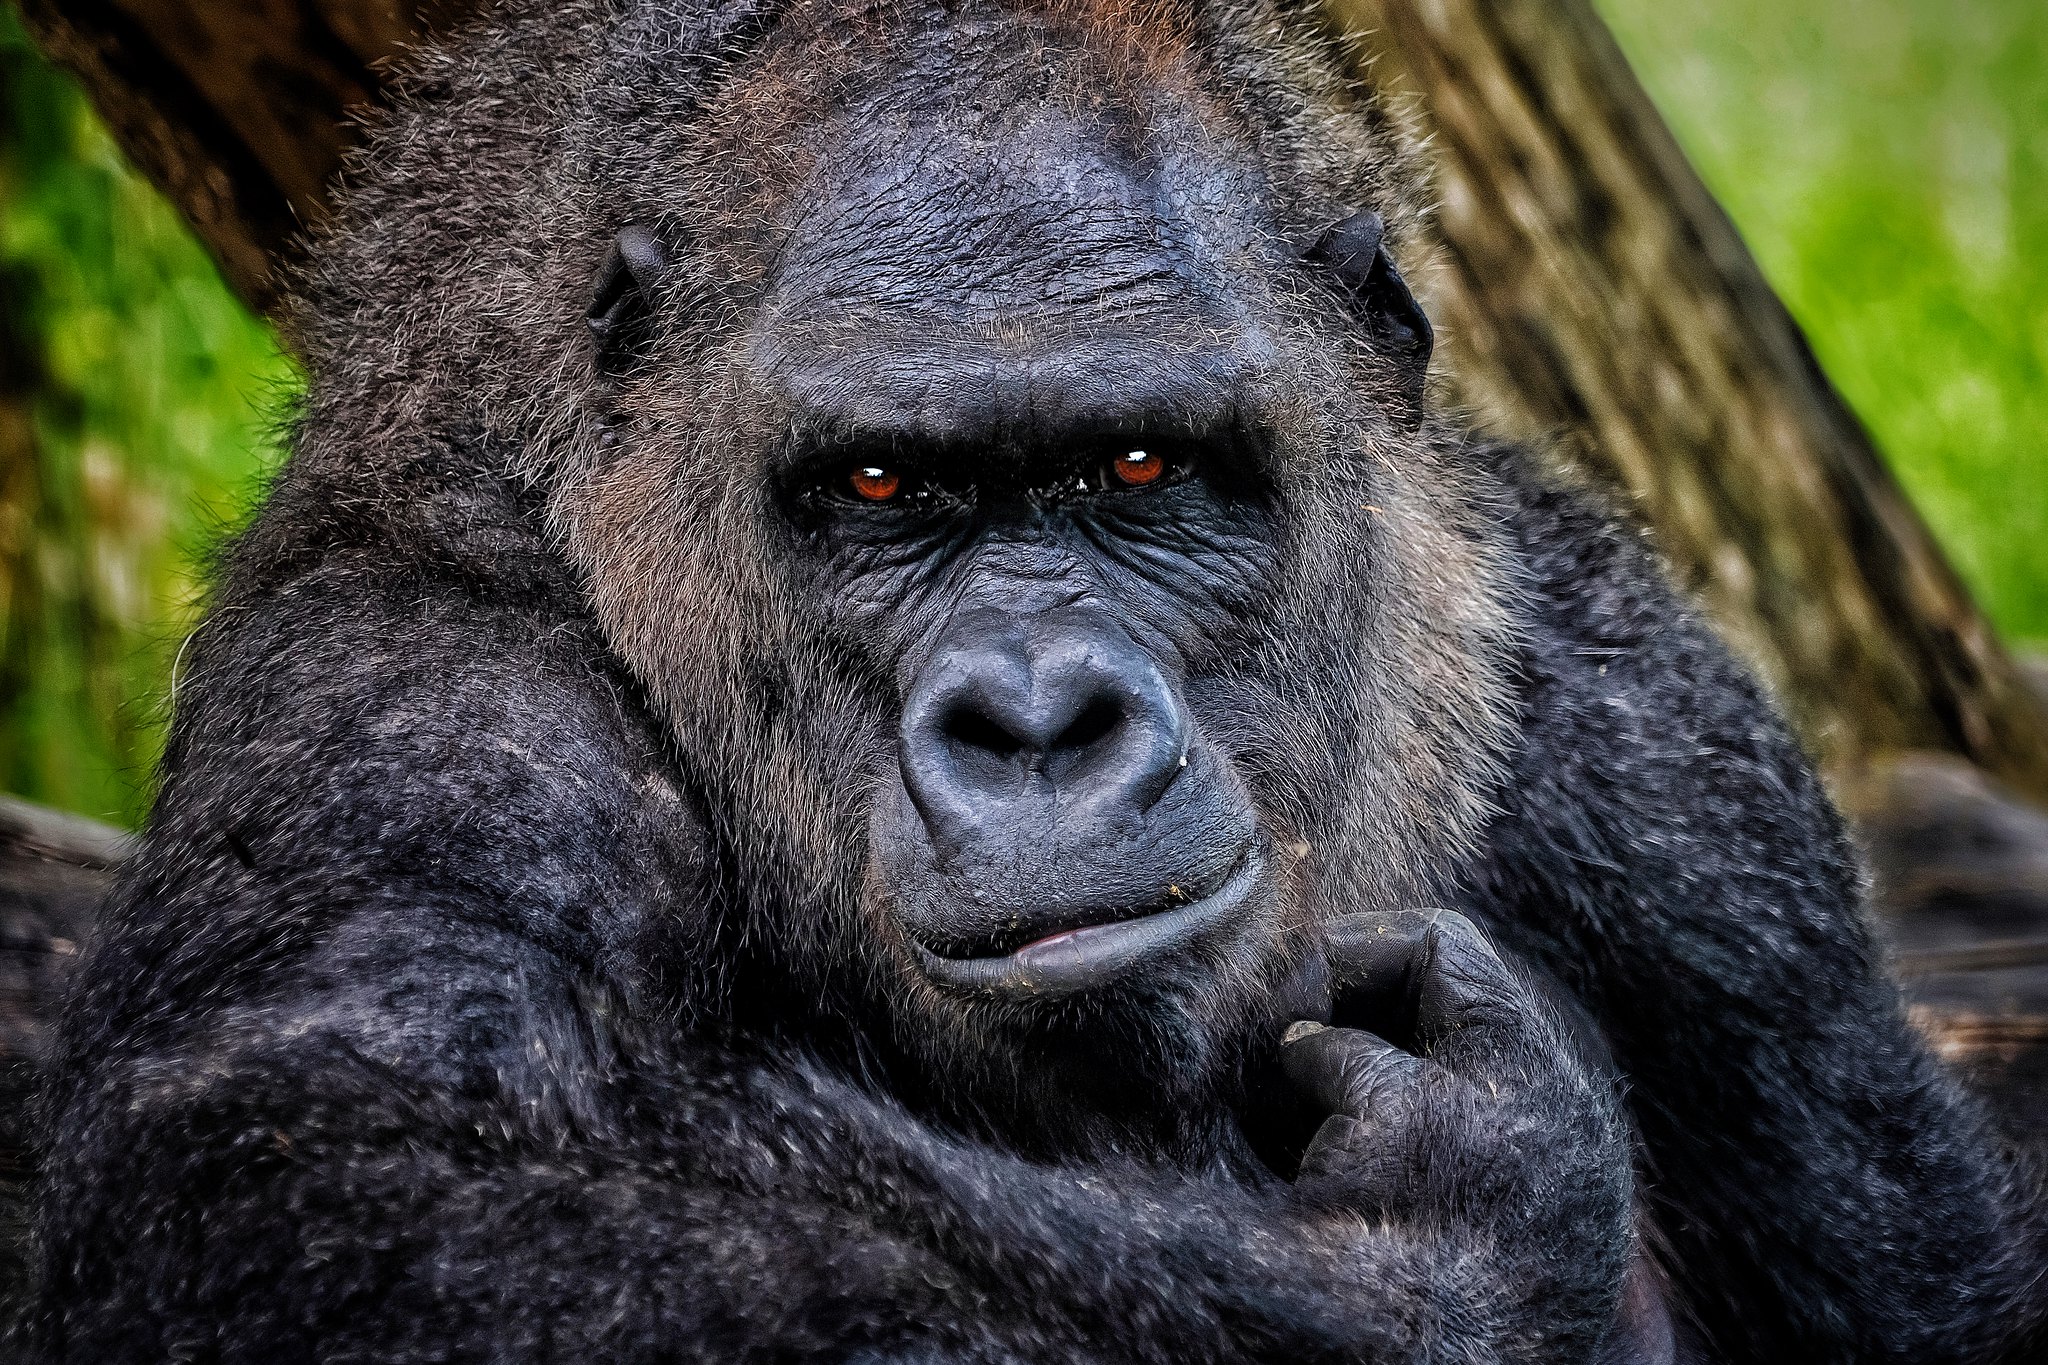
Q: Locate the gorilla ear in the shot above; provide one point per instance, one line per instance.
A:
(622, 299)
(1355, 250)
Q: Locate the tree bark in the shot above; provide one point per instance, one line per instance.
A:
(1591, 294)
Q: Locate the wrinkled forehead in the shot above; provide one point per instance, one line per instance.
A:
(992, 137)
(1022, 145)
(1021, 223)
(1036, 209)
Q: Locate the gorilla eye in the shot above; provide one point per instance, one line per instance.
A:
(1136, 468)
(1124, 467)
(874, 483)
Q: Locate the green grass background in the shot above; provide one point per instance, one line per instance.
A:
(1886, 159)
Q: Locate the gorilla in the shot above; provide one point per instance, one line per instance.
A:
(875, 720)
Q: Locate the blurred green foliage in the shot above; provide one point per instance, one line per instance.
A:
(1887, 159)
(137, 400)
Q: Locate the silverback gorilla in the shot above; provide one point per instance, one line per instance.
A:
(872, 723)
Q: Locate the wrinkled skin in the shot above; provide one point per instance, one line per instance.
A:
(873, 723)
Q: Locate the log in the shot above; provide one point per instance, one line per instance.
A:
(1960, 870)
(54, 870)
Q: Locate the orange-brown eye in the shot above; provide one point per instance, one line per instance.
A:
(1136, 468)
(875, 484)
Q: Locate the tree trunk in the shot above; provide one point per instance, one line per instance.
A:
(1590, 291)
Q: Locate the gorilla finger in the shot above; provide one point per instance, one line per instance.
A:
(1465, 990)
(1337, 1148)
(1418, 976)
(1360, 1166)
(1376, 953)
(1348, 1071)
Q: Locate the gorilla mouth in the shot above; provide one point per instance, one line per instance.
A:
(1088, 955)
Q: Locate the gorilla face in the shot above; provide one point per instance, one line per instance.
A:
(1032, 455)
(1058, 816)
(1062, 479)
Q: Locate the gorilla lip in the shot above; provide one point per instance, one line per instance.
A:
(1095, 955)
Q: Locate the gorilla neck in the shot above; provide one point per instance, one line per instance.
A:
(1162, 1082)
(1082, 1102)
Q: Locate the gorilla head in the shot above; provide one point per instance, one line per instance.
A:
(1008, 479)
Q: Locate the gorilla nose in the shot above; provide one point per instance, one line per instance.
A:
(1065, 722)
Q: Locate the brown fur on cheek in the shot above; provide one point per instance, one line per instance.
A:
(669, 538)
(1388, 703)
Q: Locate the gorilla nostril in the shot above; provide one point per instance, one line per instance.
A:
(976, 729)
(1096, 721)
(972, 727)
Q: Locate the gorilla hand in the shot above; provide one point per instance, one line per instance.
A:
(1468, 1108)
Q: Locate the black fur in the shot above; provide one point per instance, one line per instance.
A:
(535, 953)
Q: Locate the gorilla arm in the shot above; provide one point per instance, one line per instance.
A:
(355, 1072)
(1825, 1190)
(784, 1216)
